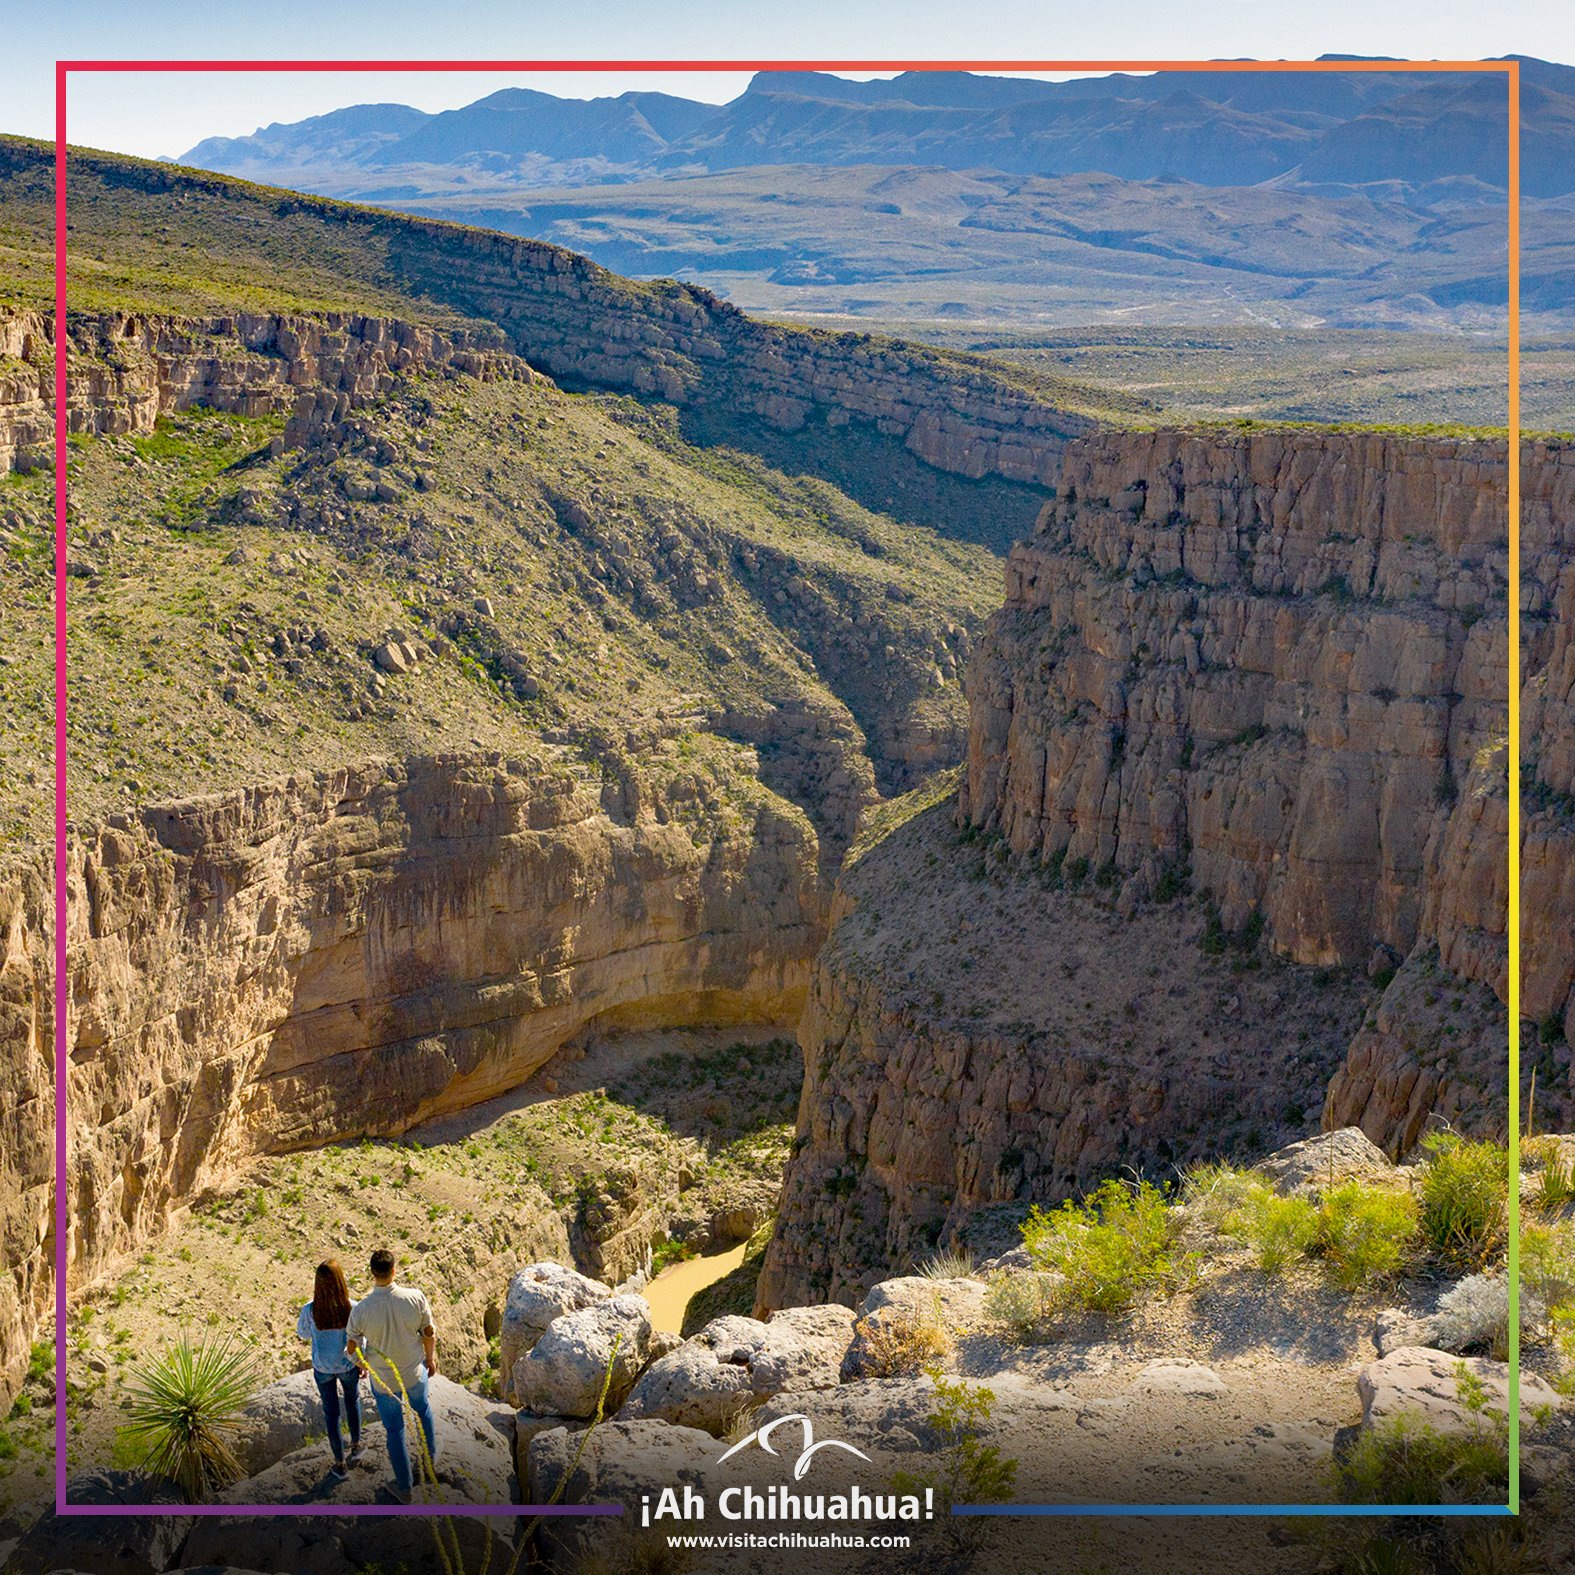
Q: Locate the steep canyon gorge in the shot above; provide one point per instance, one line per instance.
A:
(1226, 857)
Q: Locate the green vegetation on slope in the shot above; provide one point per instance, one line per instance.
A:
(572, 572)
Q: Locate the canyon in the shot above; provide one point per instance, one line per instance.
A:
(1263, 667)
(1224, 857)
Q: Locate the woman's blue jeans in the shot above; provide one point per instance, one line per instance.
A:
(329, 1386)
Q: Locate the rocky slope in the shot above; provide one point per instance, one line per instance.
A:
(1268, 667)
(1238, 1382)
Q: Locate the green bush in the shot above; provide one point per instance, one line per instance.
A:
(1547, 1265)
(1405, 1460)
(183, 1413)
(1385, 1556)
(1283, 1231)
(1111, 1249)
(1555, 1186)
(1022, 1300)
(1280, 1230)
(1365, 1233)
(962, 1469)
(1465, 1199)
(1362, 1232)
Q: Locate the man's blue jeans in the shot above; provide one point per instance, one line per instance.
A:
(391, 1408)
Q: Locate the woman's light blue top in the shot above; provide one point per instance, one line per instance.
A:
(328, 1345)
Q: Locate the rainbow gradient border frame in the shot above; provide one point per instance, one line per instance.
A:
(1507, 68)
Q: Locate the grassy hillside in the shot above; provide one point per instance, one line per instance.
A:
(573, 575)
(151, 237)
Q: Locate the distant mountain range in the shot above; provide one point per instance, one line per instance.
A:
(1406, 131)
(1290, 200)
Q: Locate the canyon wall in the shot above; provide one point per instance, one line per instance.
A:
(350, 953)
(295, 963)
(127, 369)
(1271, 668)
(27, 1112)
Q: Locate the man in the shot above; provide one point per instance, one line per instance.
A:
(391, 1337)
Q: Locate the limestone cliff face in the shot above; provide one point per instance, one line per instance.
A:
(27, 1113)
(355, 952)
(26, 423)
(1273, 665)
(128, 369)
(563, 315)
(1276, 653)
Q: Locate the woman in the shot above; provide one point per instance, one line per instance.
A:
(322, 1321)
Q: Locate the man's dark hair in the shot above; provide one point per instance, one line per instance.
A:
(382, 1263)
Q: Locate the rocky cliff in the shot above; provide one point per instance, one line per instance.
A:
(27, 1114)
(1266, 667)
(352, 952)
(128, 369)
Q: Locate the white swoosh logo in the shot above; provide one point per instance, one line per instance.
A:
(762, 1436)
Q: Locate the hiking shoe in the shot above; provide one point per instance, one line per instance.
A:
(397, 1494)
(355, 1454)
(339, 1470)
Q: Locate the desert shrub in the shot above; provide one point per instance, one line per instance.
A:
(956, 1263)
(1475, 1315)
(1022, 1300)
(1223, 1197)
(962, 1469)
(1404, 1460)
(1465, 1198)
(1364, 1232)
(1237, 1203)
(1283, 1231)
(1547, 1265)
(184, 1410)
(897, 1343)
(1500, 1550)
(630, 1551)
(1561, 1327)
(1385, 1556)
(1116, 1246)
(1554, 1188)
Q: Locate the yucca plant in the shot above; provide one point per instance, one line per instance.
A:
(955, 1263)
(184, 1411)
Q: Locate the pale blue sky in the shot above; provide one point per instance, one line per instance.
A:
(166, 115)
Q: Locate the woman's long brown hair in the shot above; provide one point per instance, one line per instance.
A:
(330, 1296)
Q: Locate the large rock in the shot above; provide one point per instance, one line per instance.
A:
(329, 1544)
(733, 1363)
(623, 1463)
(1416, 1381)
(280, 1418)
(539, 1293)
(1318, 1163)
(953, 1306)
(474, 1437)
(118, 1545)
(564, 1371)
